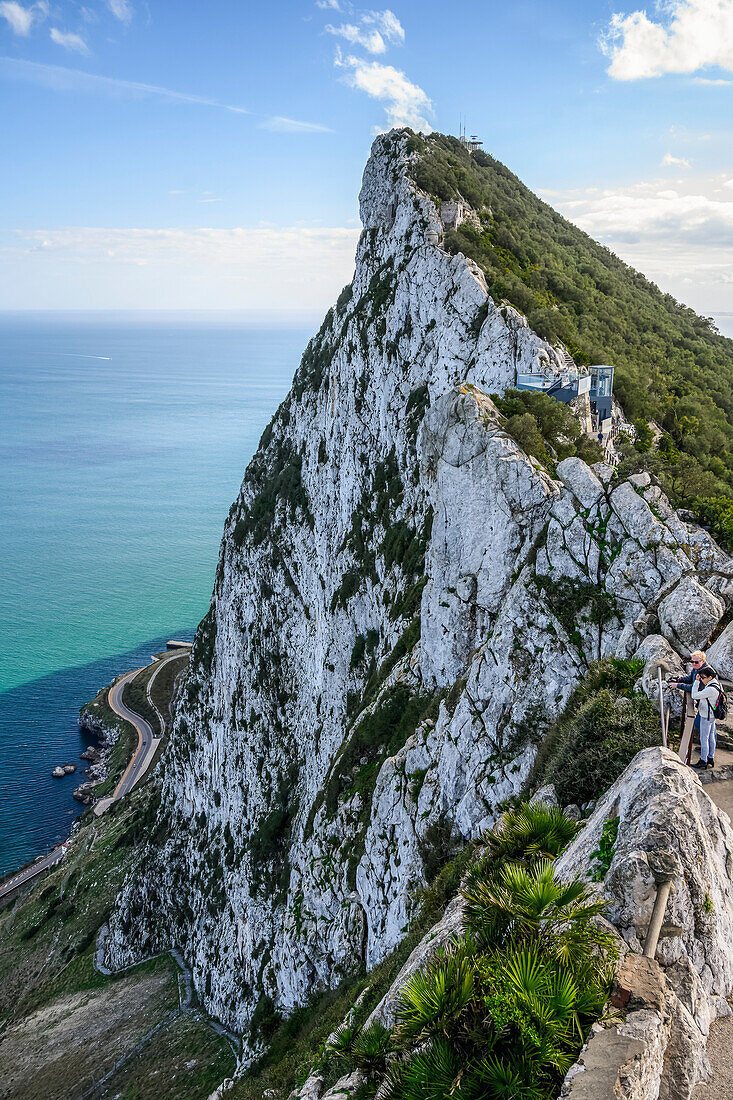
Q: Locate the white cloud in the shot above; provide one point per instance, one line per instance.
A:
(680, 237)
(294, 126)
(328, 5)
(694, 35)
(69, 41)
(19, 18)
(371, 40)
(62, 79)
(374, 31)
(668, 160)
(387, 23)
(212, 247)
(262, 267)
(405, 103)
(121, 9)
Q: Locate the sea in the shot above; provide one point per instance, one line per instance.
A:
(123, 441)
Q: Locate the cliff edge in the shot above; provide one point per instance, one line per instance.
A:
(404, 601)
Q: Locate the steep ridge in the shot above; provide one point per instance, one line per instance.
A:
(671, 365)
(404, 601)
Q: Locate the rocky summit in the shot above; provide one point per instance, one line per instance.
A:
(404, 602)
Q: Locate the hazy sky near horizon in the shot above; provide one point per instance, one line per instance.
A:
(167, 154)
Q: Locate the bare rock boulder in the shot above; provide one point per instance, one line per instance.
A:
(720, 654)
(662, 808)
(689, 614)
(656, 653)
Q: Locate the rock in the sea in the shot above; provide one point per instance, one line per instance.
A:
(91, 754)
(85, 793)
(58, 772)
(69, 769)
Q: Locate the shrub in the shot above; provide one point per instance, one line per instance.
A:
(504, 1010)
(530, 833)
(603, 854)
(603, 726)
(592, 748)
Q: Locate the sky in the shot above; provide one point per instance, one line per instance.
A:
(169, 154)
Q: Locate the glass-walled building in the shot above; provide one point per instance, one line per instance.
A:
(601, 391)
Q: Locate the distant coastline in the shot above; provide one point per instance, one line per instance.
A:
(125, 443)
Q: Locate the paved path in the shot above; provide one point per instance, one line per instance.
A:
(147, 742)
(142, 758)
(720, 1053)
(50, 860)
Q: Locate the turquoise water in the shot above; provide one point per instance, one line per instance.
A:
(124, 441)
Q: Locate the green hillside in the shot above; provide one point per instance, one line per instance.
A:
(672, 366)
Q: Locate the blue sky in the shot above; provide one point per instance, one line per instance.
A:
(178, 155)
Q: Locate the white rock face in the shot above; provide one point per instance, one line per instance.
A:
(391, 547)
(720, 653)
(663, 807)
(689, 614)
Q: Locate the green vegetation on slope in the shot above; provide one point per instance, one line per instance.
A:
(545, 428)
(296, 1044)
(603, 726)
(503, 1011)
(63, 1025)
(672, 366)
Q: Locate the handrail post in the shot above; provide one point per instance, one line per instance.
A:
(688, 722)
(661, 708)
(665, 867)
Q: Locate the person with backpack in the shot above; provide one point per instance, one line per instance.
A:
(711, 704)
(685, 683)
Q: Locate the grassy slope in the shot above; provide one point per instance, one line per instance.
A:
(48, 982)
(671, 364)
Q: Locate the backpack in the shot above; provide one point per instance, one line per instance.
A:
(720, 710)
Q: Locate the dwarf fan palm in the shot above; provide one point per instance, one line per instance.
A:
(431, 1000)
(530, 904)
(530, 832)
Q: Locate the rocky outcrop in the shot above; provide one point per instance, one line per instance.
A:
(720, 653)
(662, 807)
(92, 726)
(651, 1043)
(404, 600)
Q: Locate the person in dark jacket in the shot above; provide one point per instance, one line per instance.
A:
(686, 683)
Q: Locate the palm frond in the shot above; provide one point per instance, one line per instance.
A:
(430, 999)
(371, 1046)
(432, 1073)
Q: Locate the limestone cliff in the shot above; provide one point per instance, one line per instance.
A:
(404, 599)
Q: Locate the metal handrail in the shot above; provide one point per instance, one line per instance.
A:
(688, 722)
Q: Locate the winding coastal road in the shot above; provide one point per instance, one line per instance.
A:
(42, 864)
(147, 745)
(147, 742)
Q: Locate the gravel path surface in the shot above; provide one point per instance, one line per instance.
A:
(720, 1053)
